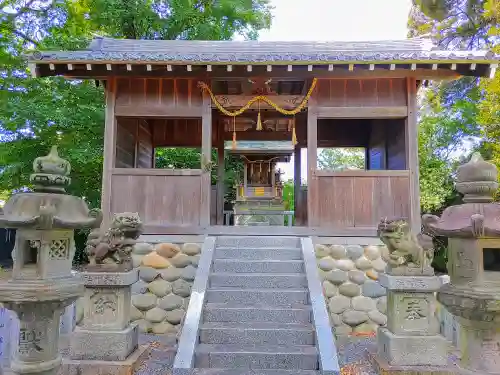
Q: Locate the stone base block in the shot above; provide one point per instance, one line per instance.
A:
(412, 350)
(98, 367)
(381, 366)
(103, 345)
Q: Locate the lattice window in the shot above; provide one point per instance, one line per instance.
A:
(59, 249)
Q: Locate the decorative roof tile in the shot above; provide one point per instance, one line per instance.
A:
(206, 52)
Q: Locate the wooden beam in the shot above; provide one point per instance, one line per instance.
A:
(217, 72)
(412, 155)
(157, 110)
(238, 101)
(109, 151)
(363, 173)
(362, 112)
(312, 159)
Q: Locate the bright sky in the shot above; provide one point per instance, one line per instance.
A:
(345, 20)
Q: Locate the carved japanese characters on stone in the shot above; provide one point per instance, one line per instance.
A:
(415, 308)
(113, 248)
(29, 340)
(103, 302)
(406, 252)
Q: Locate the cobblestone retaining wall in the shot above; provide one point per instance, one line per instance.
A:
(161, 296)
(356, 301)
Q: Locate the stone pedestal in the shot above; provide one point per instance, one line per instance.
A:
(42, 283)
(411, 338)
(481, 349)
(473, 294)
(105, 342)
(477, 313)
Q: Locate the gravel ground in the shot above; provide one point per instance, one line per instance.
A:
(352, 354)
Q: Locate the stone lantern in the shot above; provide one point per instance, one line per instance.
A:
(42, 283)
(473, 294)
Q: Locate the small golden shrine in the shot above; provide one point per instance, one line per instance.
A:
(259, 194)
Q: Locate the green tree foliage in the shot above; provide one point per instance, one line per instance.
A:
(441, 138)
(451, 111)
(337, 159)
(455, 23)
(190, 158)
(36, 113)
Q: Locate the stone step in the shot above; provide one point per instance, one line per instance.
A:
(299, 357)
(248, 297)
(264, 253)
(258, 241)
(256, 333)
(258, 280)
(234, 312)
(258, 266)
(239, 371)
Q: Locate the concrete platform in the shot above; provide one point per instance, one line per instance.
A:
(96, 367)
(381, 367)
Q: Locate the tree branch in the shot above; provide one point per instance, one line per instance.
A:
(25, 37)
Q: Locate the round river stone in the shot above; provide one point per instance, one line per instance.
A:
(362, 303)
(336, 277)
(160, 287)
(378, 317)
(170, 274)
(372, 252)
(373, 289)
(339, 304)
(354, 251)
(191, 248)
(181, 288)
(354, 318)
(338, 251)
(357, 277)
(326, 263)
(350, 290)
(321, 251)
(144, 301)
(155, 315)
(171, 302)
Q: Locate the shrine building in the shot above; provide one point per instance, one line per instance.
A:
(229, 95)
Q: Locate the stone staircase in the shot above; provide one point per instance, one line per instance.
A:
(257, 317)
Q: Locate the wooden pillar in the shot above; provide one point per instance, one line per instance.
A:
(220, 181)
(109, 150)
(312, 160)
(206, 158)
(245, 177)
(412, 155)
(297, 195)
(272, 169)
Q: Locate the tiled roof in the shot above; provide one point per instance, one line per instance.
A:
(240, 52)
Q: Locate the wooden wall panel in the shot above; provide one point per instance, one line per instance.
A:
(159, 198)
(153, 97)
(126, 130)
(359, 199)
(179, 132)
(381, 92)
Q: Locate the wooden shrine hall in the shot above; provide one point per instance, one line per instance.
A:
(316, 95)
